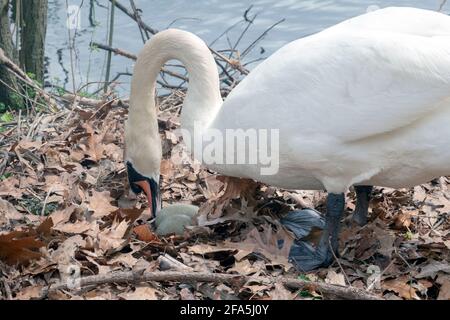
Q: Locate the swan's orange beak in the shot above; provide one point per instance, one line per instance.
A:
(145, 186)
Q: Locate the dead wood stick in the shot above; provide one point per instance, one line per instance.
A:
(117, 51)
(331, 290)
(122, 8)
(70, 97)
(235, 64)
(116, 103)
(144, 33)
(132, 56)
(136, 277)
(19, 73)
(166, 262)
(253, 44)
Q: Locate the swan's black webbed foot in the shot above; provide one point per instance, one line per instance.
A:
(307, 257)
(363, 195)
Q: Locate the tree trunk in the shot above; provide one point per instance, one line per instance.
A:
(8, 98)
(33, 37)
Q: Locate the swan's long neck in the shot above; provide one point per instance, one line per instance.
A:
(199, 108)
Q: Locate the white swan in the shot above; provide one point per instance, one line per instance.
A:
(365, 102)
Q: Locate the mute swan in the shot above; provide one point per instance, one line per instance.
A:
(365, 102)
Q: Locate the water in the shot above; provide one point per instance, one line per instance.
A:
(206, 18)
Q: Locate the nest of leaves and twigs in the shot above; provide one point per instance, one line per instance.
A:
(70, 229)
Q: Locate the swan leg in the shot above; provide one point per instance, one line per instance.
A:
(363, 195)
(308, 258)
(330, 237)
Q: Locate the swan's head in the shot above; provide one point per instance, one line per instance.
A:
(149, 185)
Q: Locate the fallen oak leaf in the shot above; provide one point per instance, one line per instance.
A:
(20, 247)
(432, 268)
(403, 220)
(45, 227)
(11, 187)
(206, 249)
(140, 293)
(113, 239)
(230, 188)
(80, 227)
(281, 293)
(444, 291)
(131, 215)
(267, 243)
(244, 267)
(60, 217)
(335, 278)
(15, 249)
(8, 212)
(100, 204)
(29, 293)
(94, 146)
(401, 287)
(144, 233)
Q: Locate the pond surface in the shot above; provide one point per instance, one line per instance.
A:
(206, 18)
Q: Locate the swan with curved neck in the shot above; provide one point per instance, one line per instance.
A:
(365, 102)
(143, 145)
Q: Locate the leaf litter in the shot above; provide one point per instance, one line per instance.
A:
(65, 207)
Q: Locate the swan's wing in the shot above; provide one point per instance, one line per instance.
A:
(348, 85)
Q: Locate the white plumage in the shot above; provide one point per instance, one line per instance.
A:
(364, 102)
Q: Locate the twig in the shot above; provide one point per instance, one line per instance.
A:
(21, 75)
(117, 51)
(132, 16)
(139, 22)
(110, 40)
(155, 31)
(94, 102)
(166, 262)
(71, 48)
(236, 280)
(250, 47)
(331, 290)
(235, 64)
(225, 32)
(34, 125)
(381, 274)
(338, 262)
(249, 23)
(133, 57)
(20, 94)
(246, 18)
(19, 125)
(181, 18)
(46, 200)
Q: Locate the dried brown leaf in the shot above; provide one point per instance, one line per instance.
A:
(144, 233)
(401, 287)
(100, 204)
